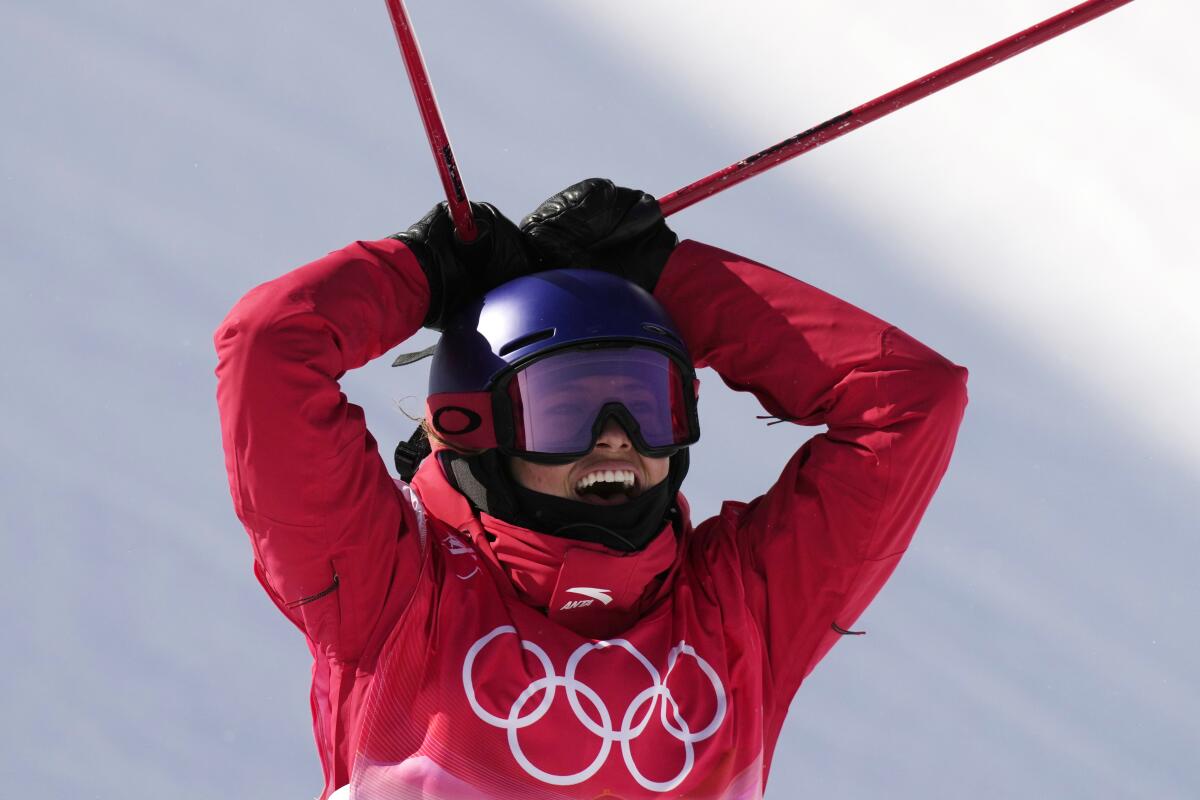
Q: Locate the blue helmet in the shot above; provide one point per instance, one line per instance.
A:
(474, 402)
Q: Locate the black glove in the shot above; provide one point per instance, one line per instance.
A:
(457, 272)
(598, 225)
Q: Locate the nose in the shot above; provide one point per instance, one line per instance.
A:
(614, 436)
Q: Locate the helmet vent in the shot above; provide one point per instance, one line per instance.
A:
(524, 341)
(659, 330)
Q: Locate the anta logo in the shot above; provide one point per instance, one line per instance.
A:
(603, 595)
(576, 604)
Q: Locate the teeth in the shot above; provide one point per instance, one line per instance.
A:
(623, 476)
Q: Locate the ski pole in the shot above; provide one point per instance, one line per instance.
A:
(881, 106)
(439, 142)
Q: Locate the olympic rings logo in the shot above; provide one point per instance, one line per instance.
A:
(630, 727)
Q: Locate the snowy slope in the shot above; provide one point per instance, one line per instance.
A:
(1035, 224)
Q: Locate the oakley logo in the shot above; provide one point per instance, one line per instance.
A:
(454, 420)
(655, 697)
(603, 595)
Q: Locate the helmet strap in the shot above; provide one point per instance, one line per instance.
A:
(483, 480)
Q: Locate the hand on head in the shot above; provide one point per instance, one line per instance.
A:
(593, 224)
(458, 272)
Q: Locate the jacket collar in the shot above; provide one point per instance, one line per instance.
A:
(586, 587)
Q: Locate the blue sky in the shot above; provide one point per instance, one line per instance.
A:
(1035, 223)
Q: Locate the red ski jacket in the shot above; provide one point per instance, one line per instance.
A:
(461, 657)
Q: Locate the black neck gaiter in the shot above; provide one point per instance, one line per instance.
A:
(627, 527)
(486, 481)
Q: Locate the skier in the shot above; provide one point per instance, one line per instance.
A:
(533, 615)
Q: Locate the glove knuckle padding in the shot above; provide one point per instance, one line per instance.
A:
(599, 225)
(458, 271)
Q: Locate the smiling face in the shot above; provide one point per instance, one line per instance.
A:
(612, 473)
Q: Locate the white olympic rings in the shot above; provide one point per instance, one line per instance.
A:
(628, 731)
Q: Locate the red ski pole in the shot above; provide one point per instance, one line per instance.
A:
(439, 142)
(882, 106)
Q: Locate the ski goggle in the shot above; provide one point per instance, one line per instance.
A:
(553, 409)
(557, 406)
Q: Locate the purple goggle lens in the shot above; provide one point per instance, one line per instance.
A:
(556, 400)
